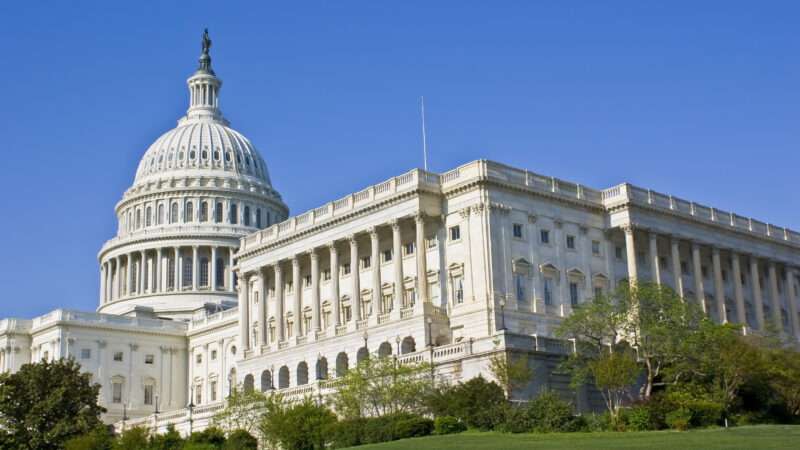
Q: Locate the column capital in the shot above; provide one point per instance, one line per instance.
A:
(373, 232)
(628, 228)
(352, 240)
(331, 247)
(276, 266)
(313, 253)
(295, 261)
(395, 223)
(419, 217)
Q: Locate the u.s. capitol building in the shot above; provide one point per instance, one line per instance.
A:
(210, 283)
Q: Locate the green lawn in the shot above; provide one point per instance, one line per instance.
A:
(749, 438)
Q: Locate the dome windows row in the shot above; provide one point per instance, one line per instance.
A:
(170, 159)
(196, 211)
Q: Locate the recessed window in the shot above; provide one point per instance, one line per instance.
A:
(366, 262)
(618, 252)
(213, 355)
(345, 269)
(326, 275)
(148, 394)
(571, 242)
(307, 280)
(118, 356)
(684, 268)
(596, 248)
(544, 236)
(548, 291)
(198, 358)
(86, 353)
(573, 294)
(409, 248)
(517, 230)
(455, 233)
(148, 359)
(387, 255)
(116, 392)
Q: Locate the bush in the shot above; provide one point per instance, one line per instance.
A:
(448, 425)
(679, 419)
(413, 427)
(302, 425)
(549, 413)
(199, 446)
(477, 403)
(637, 419)
(98, 439)
(171, 440)
(594, 422)
(346, 433)
(241, 439)
(515, 419)
(211, 435)
(135, 438)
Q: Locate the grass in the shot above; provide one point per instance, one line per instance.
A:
(760, 437)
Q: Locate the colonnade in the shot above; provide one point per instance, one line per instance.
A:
(743, 266)
(166, 269)
(279, 270)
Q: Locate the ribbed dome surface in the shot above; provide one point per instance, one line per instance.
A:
(202, 145)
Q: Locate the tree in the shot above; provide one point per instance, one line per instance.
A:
(477, 402)
(135, 438)
(299, 426)
(240, 440)
(47, 403)
(379, 386)
(783, 369)
(243, 411)
(171, 440)
(511, 373)
(98, 439)
(614, 371)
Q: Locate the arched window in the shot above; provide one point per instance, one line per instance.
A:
(258, 218)
(160, 217)
(148, 217)
(283, 378)
(188, 215)
(170, 273)
(204, 212)
(266, 381)
(341, 364)
(322, 368)
(249, 383)
(187, 271)
(220, 272)
(385, 350)
(362, 355)
(408, 345)
(234, 214)
(204, 272)
(173, 213)
(247, 216)
(138, 218)
(302, 373)
(218, 213)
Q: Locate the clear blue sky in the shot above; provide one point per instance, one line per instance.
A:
(696, 99)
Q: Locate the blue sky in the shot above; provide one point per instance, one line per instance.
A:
(695, 99)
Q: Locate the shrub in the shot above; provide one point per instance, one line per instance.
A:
(679, 419)
(448, 425)
(199, 446)
(345, 433)
(377, 429)
(637, 419)
(211, 435)
(413, 427)
(477, 403)
(595, 422)
(549, 413)
(171, 440)
(515, 419)
(241, 439)
(135, 438)
(97, 439)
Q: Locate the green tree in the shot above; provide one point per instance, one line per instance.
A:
(380, 386)
(240, 440)
(136, 438)
(98, 439)
(783, 369)
(297, 426)
(47, 403)
(511, 372)
(171, 440)
(477, 402)
(243, 410)
(614, 371)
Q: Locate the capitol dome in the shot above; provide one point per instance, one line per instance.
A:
(198, 190)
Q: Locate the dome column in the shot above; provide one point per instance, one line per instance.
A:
(231, 251)
(142, 270)
(129, 286)
(117, 279)
(213, 268)
(297, 284)
(103, 273)
(244, 314)
(157, 282)
(194, 268)
(178, 270)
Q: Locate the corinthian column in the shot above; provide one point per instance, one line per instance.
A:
(315, 288)
(397, 255)
(280, 320)
(677, 271)
(630, 249)
(335, 283)
(719, 288)
(244, 313)
(356, 285)
(377, 297)
(298, 287)
(758, 301)
(422, 260)
(775, 298)
(741, 314)
(655, 267)
(700, 293)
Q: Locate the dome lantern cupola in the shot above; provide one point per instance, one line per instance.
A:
(204, 89)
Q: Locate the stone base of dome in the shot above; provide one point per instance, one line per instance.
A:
(181, 306)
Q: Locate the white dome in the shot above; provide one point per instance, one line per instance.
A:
(202, 147)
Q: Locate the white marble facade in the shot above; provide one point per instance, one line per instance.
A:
(209, 284)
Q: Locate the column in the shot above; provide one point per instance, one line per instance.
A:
(158, 280)
(177, 285)
(263, 311)
(791, 277)
(231, 251)
(297, 282)
(630, 249)
(677, 270)
(757, 299)
(741, 314)
(103, 272)
(699, 289)
(422, 261)
(719, 288)
(194, 268)
(244, 314)
(213, 269)
(142, 271)
(377, 295)
(335, 283)
(655, 267)
(354, 278)
(315, 288)
(129, 287)
(279, 316)
(397, 259)
(118, 270)
(775, 298)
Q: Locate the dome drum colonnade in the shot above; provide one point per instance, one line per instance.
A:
(198, 189)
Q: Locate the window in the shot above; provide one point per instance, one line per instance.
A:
(409, 248)
(366, 262)
(571, 242)
(148, 359)
(46, 355)
(289, 328)
(548, 291)
(213, 355)
(148, 217)
(148, 394)
(544, 236)
(573, 294)
(138, 218)
(204, 212)
(598, 292)
(160, 218)
(258, 218)
(187, 272)
(118, 356)
(198, 394)
(596, 248)
(220, 272)
(519, 284)
(307, 280)
(618, 252)
(247, 216)
(684, 268)
(458, 288)
(173, 213)
(213, 389)
(455, 233)
(204, 272)
(198, 358)
(517, 230)
(218, 213)
(86, 353)
(387, 302)
(387, 255)
(116, 392)
(188, 213)
(171, 273)
(346, 269)
(347, 313)
(234, 213)
(326, 274)
(409, 297)
(704, 271)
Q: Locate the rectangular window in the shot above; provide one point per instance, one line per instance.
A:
(346, 269)
(573, 294)
(409, 248)
(116, 392)
(213, 355)
(598, 292)
(366, 262)
(618, 252)
(548, 291)
(148, 394)
(387, 255)
(148, 359)
(458, 287)
(517, 230)
(326, 275)
(571, 242)
(596, 248)
(347, 313)
(684, 268)
(213, 389)
(187, 272)
(307, 280)
(520, 287)
(455, 233)
(118, 356)
(86, 353)
(198, 394)
(198, 358)
(544, 236)
(410, 298)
